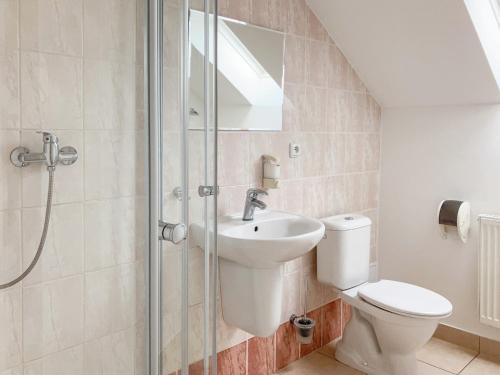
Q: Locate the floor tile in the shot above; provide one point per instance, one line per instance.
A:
(446, 356)
(425, 369)
(318, 364)
(483, 365)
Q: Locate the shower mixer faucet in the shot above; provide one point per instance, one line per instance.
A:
(51, 154)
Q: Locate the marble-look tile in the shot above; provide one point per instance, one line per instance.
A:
(171, 99)
(261, 356)
(295, 50)
(53, 26)
(10, 183)
(354, 152)
(294, 103)
(9, 90)
(314, 196)
(332, 321)
(296, 20)
(236, 9)
(10, 245)
(287, 346)
(112, 163)
(111, 355)
(318, 364)
(65, 362)
(233, 158)
(269, 13)
(340, 112)
(339, 70)
(483, 365)
(172, 18)
(317, 63)
(68, 180)
(109, 30)
(196, 272)
(11, 328)
(108, 241)
(231, 200)
(232, 361)
(315, 29)
(315, 110)
(51, 91)
(109, 95)
(488, 346)
(306, 349)
(425, 369)
(12, 371)
(445, 355)
(374, 115)
(52, 317)
(8, 26)
(371, 152)
(171, 342)
(109, 300)
(294, 196)
(63, 251)
(228, 336)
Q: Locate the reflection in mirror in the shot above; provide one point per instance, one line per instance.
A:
(250, 75)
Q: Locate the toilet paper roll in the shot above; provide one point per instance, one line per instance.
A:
(454, 213)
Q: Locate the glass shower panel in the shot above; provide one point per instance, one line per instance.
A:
(188, 167)
(74, 69)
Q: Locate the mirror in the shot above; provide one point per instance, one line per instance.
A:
(250, 75)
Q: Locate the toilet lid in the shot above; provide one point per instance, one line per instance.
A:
(405, 299)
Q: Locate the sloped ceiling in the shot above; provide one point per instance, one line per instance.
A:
(412, 52)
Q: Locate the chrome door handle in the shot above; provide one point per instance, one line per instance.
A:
(174, 233)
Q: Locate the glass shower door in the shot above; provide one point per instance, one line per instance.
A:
(183, 272)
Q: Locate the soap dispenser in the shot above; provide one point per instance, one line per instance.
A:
(270, 172)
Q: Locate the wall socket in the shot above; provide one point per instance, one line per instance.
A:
(294, 150)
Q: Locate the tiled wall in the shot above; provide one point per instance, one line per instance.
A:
(69, 66)
(329, 112)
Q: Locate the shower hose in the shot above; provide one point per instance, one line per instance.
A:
(42, 238)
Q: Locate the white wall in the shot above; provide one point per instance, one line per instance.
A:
(431, 154)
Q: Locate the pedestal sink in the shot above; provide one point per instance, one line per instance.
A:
(251, 258)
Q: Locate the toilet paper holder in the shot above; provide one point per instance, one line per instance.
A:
(454, 215)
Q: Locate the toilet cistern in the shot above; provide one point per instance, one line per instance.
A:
(251, 202)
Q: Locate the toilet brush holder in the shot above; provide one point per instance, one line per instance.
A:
(304, 328)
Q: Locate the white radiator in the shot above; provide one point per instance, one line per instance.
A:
(489, 270)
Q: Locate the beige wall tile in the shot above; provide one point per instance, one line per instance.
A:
(296, 20)
(291, 302)
(52, 26)
(11, 328)
(52, 317)
(293, 106)
(111, 161)
(109, 30)
(295, 49)
(456, 336)
(269, 13)
(110, 233)
(12, 371)
(237, 9)
(8, 26)
(109, 95)
(315, 109)
(51, 91)
(109, 300)
(63, 251)
(10, 183)
(65, 362)
(317, 53)
(10, 245)
(315, 29)
(9, 90)
(111, 355)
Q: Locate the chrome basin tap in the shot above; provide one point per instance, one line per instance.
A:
(251, 202)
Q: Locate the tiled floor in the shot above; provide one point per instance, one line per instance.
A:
(438, 357)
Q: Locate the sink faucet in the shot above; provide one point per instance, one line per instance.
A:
(251, 202)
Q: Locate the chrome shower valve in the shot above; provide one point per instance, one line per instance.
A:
(51, 154)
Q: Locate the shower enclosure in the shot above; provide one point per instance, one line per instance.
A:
(118, 287)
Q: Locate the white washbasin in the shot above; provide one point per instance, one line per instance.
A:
(272, 238)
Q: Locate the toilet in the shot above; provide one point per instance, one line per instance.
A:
(391, 320)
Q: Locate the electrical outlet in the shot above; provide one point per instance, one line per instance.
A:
(294, 150)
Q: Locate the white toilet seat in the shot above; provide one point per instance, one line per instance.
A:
(405, 299)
